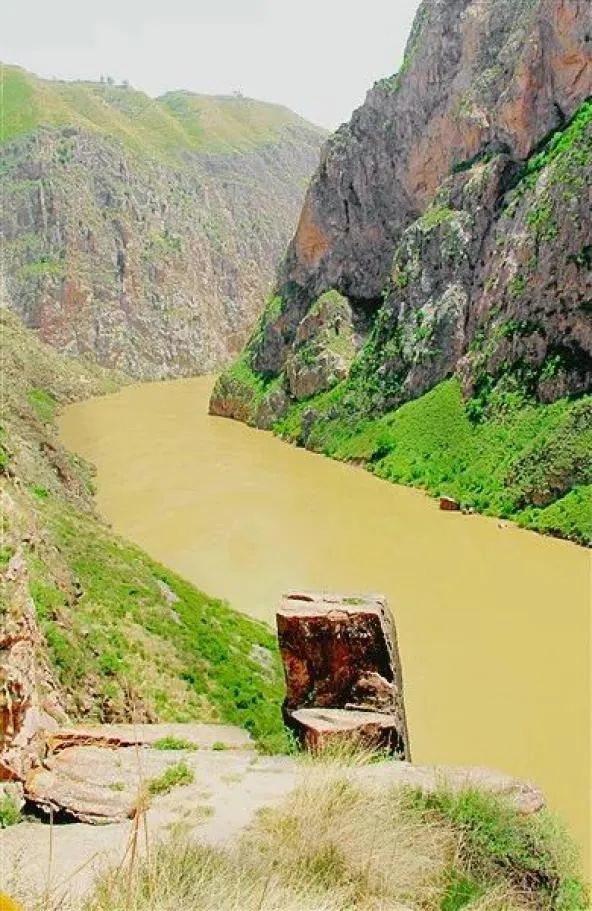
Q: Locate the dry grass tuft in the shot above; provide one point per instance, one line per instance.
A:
(339, 844)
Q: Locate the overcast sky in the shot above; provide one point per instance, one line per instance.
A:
(318, 57)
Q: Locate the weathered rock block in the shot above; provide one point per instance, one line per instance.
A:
(318, 727)
(90, 784)
(341, 653)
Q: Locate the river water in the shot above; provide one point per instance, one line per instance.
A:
(493, 622)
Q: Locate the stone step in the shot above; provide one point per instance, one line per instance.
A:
(318, 727)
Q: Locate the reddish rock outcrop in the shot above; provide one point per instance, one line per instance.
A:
(505, 71)
(449, 504)
(343, 671)
(30, 702)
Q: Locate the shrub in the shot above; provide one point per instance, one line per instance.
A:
(173, 743)
(10, 813)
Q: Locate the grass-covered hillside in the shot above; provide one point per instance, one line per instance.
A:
(524, 461)
(164, 128)
(127, 638)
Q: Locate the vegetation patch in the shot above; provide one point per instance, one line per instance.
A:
(565, 143)
(47, 265)
(173, 743)
(43, 403)
(173, 777)
(497, 845)
(10, 813)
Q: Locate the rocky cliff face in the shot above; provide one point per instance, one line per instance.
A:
(144, 233)
(451, 216)
(449, 226)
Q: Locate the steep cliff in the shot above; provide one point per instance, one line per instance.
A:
(451, 219)
(144, 232)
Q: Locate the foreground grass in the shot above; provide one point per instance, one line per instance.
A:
(525, 461)
(337, 844)
(128, 639)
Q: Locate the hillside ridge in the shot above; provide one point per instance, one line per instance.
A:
(232, 122)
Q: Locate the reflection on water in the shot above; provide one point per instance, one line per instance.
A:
(494, 623)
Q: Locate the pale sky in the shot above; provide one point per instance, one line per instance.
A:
(318, 57)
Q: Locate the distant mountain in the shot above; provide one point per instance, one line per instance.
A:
(443, 263)
(142, 232)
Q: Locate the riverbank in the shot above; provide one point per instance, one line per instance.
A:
(516, 459)
(481, 609)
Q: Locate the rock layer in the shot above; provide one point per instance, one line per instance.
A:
(30, 700)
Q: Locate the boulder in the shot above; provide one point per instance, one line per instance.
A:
(91, 784)
(340, 653)
(449, 504)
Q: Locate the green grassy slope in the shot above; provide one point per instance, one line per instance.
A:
(127, 638)
(526, 461)
(163, 128)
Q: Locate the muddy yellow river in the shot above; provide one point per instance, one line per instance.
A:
(494, 622)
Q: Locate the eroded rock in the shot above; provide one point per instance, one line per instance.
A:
(30, 700)
(87, 783)
(316, 728)
(113, 736)
(340, 654)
